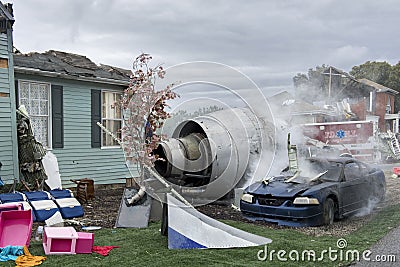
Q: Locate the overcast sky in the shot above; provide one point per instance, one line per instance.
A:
(270, 41)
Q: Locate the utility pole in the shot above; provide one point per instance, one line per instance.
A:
(330, 84)
(330, 81)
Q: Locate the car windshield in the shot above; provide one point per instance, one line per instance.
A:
(311, 170)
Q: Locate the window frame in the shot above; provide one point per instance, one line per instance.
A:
(350, 176)
(49, 109)
(102, 146)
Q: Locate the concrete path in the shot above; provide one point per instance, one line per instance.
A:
(386, 252)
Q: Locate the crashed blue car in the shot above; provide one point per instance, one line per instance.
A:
(326, 189)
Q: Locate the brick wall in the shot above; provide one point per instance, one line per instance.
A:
(360, 109)
(380, 108)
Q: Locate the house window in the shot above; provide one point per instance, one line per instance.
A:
(111, 117)
(36, 98)
(388, 106)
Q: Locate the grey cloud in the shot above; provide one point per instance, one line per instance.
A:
(270, 41)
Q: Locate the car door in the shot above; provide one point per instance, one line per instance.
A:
(353, 188)
(369, 176)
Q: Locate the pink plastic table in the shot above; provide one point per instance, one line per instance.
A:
(59, 240)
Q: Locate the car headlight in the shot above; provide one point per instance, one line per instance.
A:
(305, 201)
(247, 198)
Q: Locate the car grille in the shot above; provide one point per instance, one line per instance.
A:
(270, 201)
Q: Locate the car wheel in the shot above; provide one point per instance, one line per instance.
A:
(329, 211)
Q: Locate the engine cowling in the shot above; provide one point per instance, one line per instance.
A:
(209, 155)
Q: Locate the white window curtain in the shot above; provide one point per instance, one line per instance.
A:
(36, 98)
(111, 117)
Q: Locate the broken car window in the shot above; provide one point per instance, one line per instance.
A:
(312, 170)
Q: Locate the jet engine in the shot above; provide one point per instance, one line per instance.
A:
(210, 155)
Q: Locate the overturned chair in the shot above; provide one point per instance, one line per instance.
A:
(84, 189)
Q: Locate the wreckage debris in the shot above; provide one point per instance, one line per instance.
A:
(30, 153)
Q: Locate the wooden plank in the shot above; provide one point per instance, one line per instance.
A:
(3, 63)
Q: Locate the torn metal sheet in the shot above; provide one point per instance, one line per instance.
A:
(136, 216)
(189, 228)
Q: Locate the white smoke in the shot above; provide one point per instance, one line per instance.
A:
(372, 203)
(248, 177)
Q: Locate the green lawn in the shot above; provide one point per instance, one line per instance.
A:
(146, 247)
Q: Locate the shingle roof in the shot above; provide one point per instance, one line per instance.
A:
(285, 103)
(378, 87)
(69, 64)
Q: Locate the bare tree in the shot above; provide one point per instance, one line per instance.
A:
(144, 112)
(144, 115)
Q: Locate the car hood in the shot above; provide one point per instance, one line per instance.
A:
(277, 189)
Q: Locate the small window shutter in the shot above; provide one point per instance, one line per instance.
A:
(96, 117)
(57, 113)
(16, 94)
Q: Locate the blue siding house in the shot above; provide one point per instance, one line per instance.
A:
(65, 96)
(8, 134)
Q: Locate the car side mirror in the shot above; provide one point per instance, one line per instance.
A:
(372, 170)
